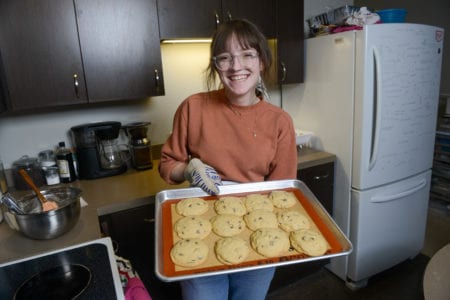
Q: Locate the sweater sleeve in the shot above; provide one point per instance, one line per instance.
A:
(284, 165)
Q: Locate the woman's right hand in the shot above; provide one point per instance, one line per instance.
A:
(203, 176)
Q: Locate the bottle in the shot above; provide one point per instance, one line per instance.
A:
(64, 160)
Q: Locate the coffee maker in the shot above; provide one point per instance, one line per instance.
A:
(139, 145)
(96, 148)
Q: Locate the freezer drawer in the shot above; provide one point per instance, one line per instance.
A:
(387, 225)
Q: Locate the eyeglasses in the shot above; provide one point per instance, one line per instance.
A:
(224, 61)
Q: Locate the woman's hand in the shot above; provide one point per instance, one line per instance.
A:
(203, 176)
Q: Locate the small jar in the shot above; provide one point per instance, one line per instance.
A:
(51, 175)
(32, 167)
(49, 167)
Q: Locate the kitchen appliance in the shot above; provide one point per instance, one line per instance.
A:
(139, 145)
(371, 98)
(97, 152)
(97, 257)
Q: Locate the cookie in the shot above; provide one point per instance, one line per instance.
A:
(230, 206)
(261, 219)
(192, 207)
(231, 250)
(194, 227)
(290, 220)
(283, 199)
(189, 253)
(308, 241)
(270, 242)
(258, 202)
(227, 225)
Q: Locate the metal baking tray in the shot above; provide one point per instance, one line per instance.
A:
(166, 270)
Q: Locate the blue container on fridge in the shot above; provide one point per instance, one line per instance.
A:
(394, 15)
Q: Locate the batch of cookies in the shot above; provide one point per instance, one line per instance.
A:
(275, 227)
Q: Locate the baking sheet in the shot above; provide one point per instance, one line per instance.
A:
(165, 238)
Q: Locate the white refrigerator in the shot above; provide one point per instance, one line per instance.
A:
(371, 98)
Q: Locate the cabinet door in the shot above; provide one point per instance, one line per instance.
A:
(40, 54)
(320, 180)
(260, 12)
(120, 47)
(188, 19)
(290, 39)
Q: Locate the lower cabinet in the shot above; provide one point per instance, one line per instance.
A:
(133, 233)
(319, 179)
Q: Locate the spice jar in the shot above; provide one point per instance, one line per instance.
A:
(49, 167)
(31, 165)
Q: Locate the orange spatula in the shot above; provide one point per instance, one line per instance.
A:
(46, 204)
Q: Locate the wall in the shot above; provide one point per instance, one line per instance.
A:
(183, 67)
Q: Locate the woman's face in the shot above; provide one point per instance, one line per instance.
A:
(239, 70)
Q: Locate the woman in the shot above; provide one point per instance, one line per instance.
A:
(231, 134)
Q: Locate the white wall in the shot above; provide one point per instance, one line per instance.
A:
(183, 67)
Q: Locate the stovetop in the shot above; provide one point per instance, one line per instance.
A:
(97, 256)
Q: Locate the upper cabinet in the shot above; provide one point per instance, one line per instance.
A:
(290, 41)
(40, 53)
(120, 48)
(281, 20)
(56, 53)
(199, 18)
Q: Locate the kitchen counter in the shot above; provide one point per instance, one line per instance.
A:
(107, 195)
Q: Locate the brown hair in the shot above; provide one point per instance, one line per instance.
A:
(248, 36)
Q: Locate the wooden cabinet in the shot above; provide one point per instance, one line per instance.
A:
(199, 18)
(40, 54)
(133, 232)
(120, 48)
(290, 40)
(320, 180)
(70, 52)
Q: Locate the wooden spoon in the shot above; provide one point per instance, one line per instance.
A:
(46, 204)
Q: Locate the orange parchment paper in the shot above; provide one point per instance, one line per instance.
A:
(170, 216)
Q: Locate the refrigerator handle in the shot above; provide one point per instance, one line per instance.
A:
(402, 194)
(376, 112)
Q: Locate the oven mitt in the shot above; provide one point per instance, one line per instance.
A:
(203, 176)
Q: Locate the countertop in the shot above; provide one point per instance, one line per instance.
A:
(107, 195)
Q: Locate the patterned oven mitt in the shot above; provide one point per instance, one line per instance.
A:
(203, 176)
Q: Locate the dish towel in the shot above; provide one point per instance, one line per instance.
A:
(135, 290)
(133, 286)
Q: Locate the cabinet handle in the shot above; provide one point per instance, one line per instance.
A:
(149, 220)
(76, 84)
(321, 177)
(216, 15)
(230, 17)
(283, 72)
(157, 80)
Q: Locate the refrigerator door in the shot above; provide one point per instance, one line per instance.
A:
(396, 100)
(387, 225)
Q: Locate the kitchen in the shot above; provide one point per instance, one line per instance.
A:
(186, 61)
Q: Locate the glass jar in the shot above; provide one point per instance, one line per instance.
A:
(49, 168)
(31, 165)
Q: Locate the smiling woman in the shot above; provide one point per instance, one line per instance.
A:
(231, 134)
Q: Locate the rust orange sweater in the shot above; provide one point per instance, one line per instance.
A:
(243, 143)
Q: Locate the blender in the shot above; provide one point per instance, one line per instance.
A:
(139, 145)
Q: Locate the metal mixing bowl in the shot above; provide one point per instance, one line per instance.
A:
(41, 225)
